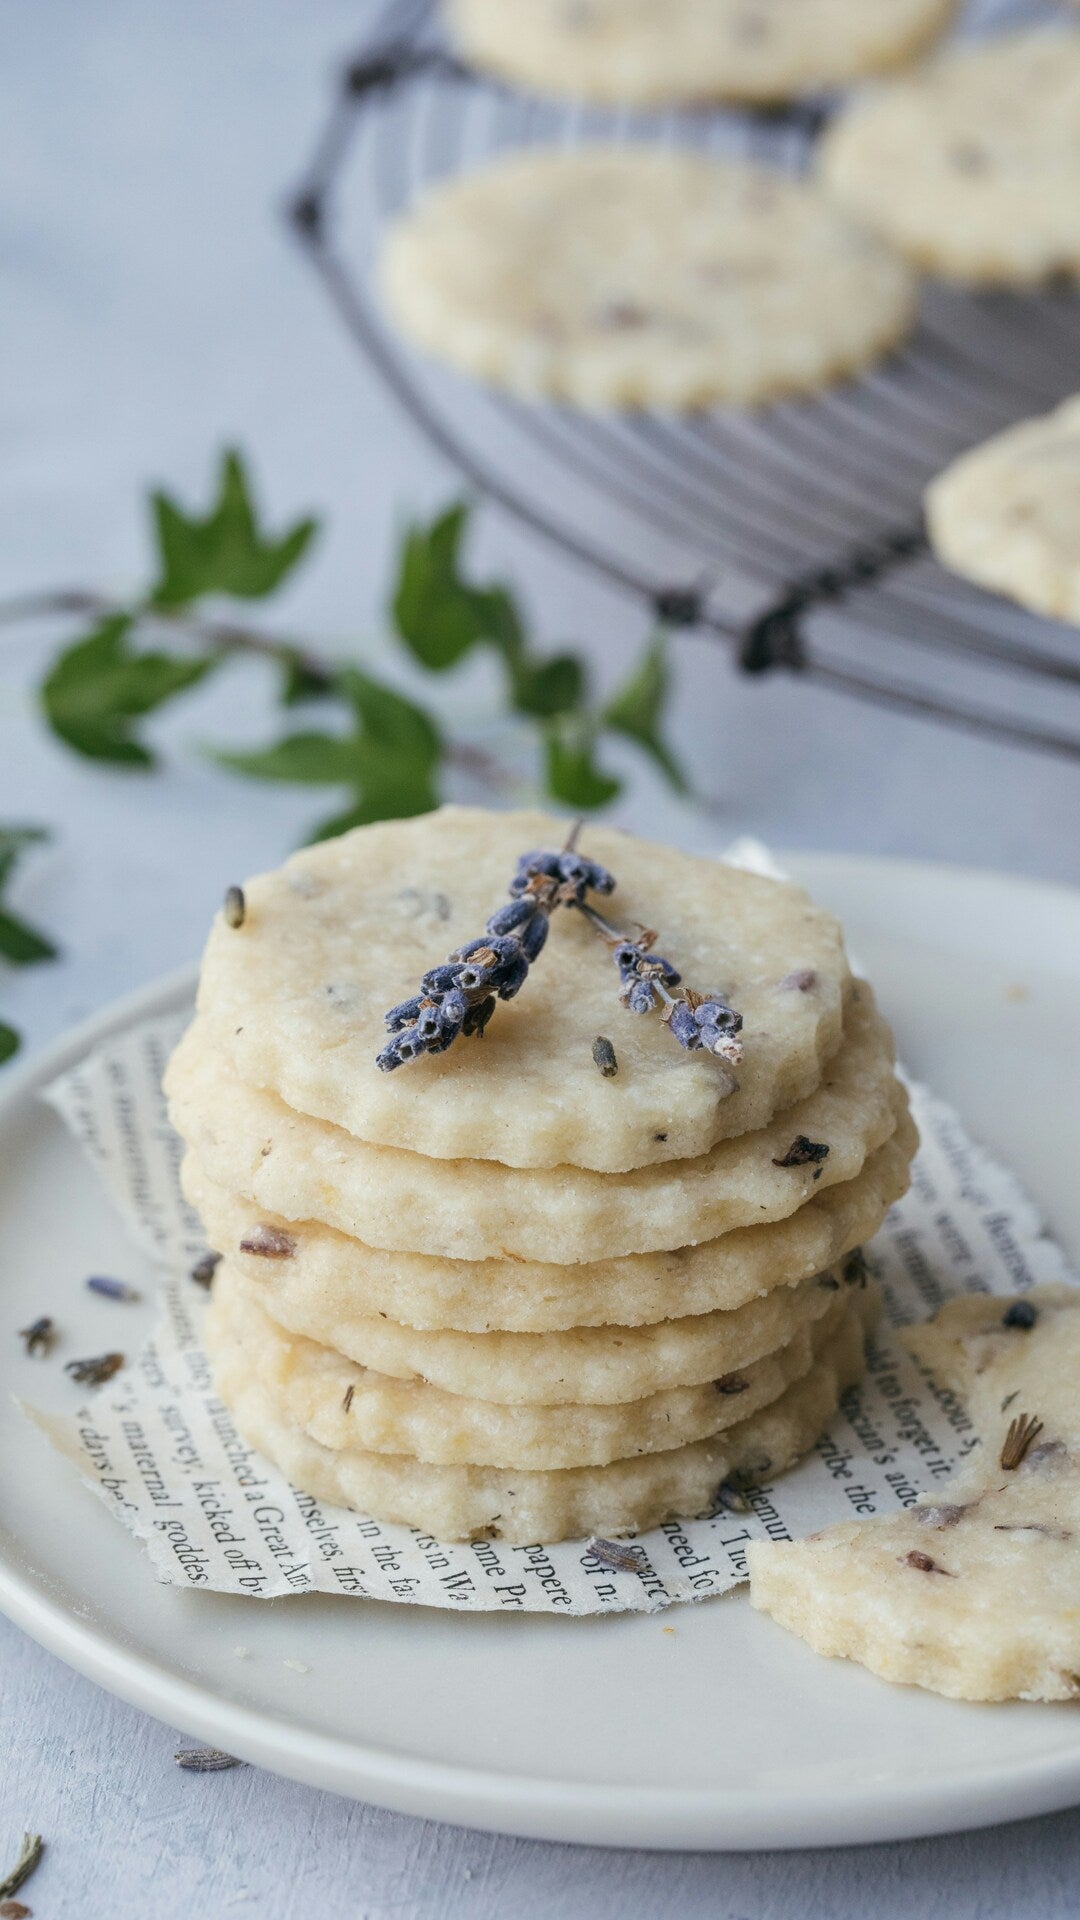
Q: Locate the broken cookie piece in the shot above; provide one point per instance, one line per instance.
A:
(976, 1595)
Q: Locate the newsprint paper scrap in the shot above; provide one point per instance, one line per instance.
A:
(161, 1450)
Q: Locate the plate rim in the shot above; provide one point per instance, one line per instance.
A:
(532, 1806)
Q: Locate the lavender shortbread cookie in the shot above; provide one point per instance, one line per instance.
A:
(977, 1593)
(620, 276)
(521, 1507)
(365, 1300)
(971, 167)
(295, 999)
(252, 1144)
(648, 52)
(346, 1406)
(1007, 514)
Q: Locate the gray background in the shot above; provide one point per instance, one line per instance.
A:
(153, 307)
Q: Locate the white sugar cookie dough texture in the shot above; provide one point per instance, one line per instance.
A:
(971, 167)
(633, 276)
(974, 1594)
(1007, 514)
(515, 1282)
(651, 52)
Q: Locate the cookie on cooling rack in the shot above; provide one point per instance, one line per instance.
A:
(1007, 514)
(632, 277)
(972, 166)
(650, 52)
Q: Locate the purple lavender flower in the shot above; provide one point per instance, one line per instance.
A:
(697, 1021)
(459, 995)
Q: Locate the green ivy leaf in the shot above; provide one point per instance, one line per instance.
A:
(300, 682)
(22, 944)
(13, 840)
(390, 760)
(440, 616)
(9, 1042)
(437, 614)
(573, 776)
(555, 686)
(637, 710)
(95, 688)
(225, 551)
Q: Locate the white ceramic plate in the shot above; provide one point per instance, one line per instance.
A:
(704, 1727)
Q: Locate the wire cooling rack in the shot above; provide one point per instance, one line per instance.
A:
(793, 534)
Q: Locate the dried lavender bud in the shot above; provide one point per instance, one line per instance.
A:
(234, 907)
(683, 1025)
(801, 981)
(730, 1499)
(533, 936)
(405, 1014)
(1020, 1314)
(33, 1846)
(922, 1563)
(604, 1054)
(1022, 1431)
(112, 1289)
(617, 1556)
(204, 1270)
(477, 1018)
(39, 1336)
(513, 916)
(94, 1373)
(270, 1242)
(205, 1760)
(803, 1153)
(941, 1516)
(639, 996)
(855, 1269)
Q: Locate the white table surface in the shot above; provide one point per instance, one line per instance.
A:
(153, 307)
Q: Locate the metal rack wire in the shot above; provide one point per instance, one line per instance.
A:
(792, 534)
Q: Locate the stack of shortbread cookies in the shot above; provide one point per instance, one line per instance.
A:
(505, 1290)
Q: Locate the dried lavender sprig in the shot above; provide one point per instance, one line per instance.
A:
(458, 997)
(697, 1020)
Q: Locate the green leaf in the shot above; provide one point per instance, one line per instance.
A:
(22, 944)
(95, 688)
(224, 552)
(554, 686)
(389, 761)
(306, 759)
(572, 773)
(9, 1042)
(12, 842)
(300, 682)
(637, 710)
(436, 613)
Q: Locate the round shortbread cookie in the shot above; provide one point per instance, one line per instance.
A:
(342, 1405)
(592, 1365)
(1007, 514)
(972, 166)
(461, 1503)
(345, 1289)
(303, 1169)
(650, 52)
(973, 1595)
(642, 277)
(346, 930)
